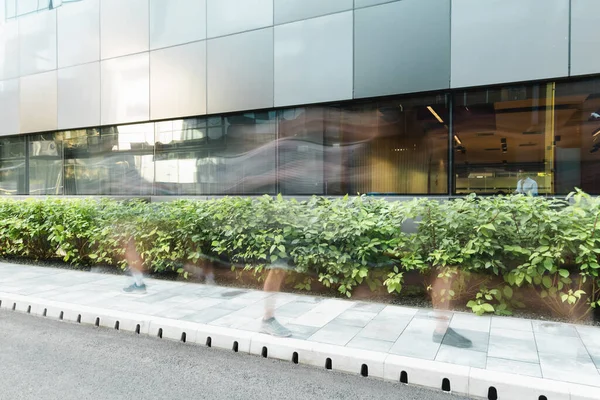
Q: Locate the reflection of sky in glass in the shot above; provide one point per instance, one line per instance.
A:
(139, 133)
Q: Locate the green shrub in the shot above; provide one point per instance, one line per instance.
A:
(493, 253)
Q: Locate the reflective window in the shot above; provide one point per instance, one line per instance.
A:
(537, 139)
(45, 164)
(218, 155)
(128, 159)
(117, 160)
(12, 166)
(397, 146)
(503, 140)
(577, 139)
(84, 171)
(301, 151)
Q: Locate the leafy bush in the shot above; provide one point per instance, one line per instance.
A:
(494, 254)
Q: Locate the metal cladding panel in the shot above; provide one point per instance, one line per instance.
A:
(396, 52)
(499, 41)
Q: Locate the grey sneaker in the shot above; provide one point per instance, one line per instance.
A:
(452, 338)
(272, 327)
(135, 289)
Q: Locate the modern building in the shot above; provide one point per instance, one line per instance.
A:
(214, 97)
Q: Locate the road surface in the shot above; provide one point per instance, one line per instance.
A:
(45, 359)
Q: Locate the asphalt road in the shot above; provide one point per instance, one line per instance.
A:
(44, 359)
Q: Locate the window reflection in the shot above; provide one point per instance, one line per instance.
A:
(503, 137)
(12, 166)
(301, 151)
(577, 141)
(217, 155)
(541, 136)
(116, 160)
(388, 147)
(45, 164)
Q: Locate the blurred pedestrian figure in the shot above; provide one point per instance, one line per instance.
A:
(134, 262)
(440, 299)
(270, 325)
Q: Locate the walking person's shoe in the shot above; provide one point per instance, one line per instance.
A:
(272, 327)
(452, 338)
(135, 289)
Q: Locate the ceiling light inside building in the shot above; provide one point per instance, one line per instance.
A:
(432, 111)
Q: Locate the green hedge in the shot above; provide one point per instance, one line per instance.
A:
(495, 253)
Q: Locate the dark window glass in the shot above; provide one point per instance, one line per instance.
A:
(577, 140)
(397, 146)
(45, 164)
(300, 150)
(503, 140)
(12, 165)
(218, 155)
(541, 139)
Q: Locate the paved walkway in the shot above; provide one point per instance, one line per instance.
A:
(560, 352)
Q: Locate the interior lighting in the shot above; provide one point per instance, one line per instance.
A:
(432, 111)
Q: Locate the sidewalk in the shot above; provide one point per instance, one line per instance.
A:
(519, 358)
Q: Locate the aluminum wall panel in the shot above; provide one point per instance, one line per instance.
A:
(125, 89)
(367, 3)
(240, 72)
(313, 60)
(37, 42)
(395, 52)
(37, 102)
(26, 6)
(178, 81)
(78, 33)
(295, 10)
(9, 49)
(124, 27)
(225, 17)
(9, 107)
(174, 22)
(585, 39)
(497, 41)
(79, 96)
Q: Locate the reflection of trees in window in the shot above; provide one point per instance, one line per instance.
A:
(45, 164)
(217, 155)
(114, 160)
(12, 166)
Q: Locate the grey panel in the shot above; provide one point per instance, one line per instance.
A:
(9, 8)
(585, 39)
(37, 40)
(175, 22)
(9, 107)
(294, 10)
(178, 81)
(125, 87)
(123, 27)
(313, 60)
(396, 52)
(9, 49)
(225, 17)
(367, 3)
(79, 96)
(26, 6)
(37, 102)
(498, 41)
(240, 71)
(79, 33)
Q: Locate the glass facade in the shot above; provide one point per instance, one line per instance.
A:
(537, 138)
